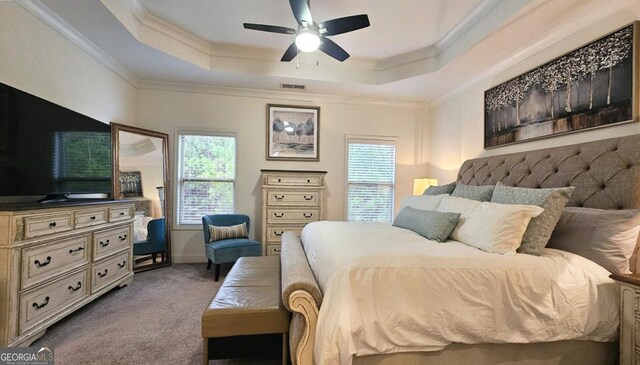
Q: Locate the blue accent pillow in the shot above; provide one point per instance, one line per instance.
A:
(480, 193)
(435, 226)
(440, 189)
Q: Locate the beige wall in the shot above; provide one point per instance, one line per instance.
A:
(40, 61)
(456, 122)
(245, 115)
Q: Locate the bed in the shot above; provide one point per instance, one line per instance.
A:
(329, 285)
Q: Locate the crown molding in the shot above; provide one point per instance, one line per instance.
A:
(571, 35)
(186, 46)
(276, 95)
(149, 20)
(54, 21)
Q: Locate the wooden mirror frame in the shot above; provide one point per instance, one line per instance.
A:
(115, 140)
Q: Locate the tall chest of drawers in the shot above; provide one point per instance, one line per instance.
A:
(55, 260)
(290, 200)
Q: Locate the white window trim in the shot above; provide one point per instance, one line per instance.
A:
(359, 138)
(176, 193)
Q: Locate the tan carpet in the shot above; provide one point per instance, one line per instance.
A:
(155, 320)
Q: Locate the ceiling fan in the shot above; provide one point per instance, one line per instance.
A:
(310, 35)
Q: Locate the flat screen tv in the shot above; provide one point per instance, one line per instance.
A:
(46, 149)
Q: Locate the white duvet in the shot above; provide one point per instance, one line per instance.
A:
(387, 289)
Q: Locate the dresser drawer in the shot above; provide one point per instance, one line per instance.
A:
(289, 180)
(39, 304)
(120, 213)
(302, 215)
(284, 197)
(275, 231)
(90, 217)
(109, 241)
(41, 225)
(110, 270)
(273, 250)
(44, 261)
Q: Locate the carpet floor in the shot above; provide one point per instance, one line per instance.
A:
(155, 320)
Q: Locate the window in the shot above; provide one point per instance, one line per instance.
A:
(206, 175)
(371, 175)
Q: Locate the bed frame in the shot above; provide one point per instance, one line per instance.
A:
(605, 174)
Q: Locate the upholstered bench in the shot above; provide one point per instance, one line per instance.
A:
(246, 317)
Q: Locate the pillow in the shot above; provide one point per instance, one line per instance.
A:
(137, 221)
(440, 189)
(422, 202)
(539, 230)
(606, 237)
(480, 193)
(435, 226)
(217, 233)
(491, 227)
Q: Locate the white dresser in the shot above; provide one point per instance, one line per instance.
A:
(55, 260)
(290, 200)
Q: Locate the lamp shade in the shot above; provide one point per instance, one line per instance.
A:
(419, 185)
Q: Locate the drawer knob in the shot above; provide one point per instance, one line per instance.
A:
(307, 215)
(76, 250)
(279, 180)
(279, 197)
(40, 306)
(308, 197)
(93, 217)
(121, 213)
(52, 224)
(308, 180)
(278, 233)
(123, 264)
(76, 288)
(104, 244)
(278, 215)
(102, 275)
(41, 264)
(277, 250)
(123, 237)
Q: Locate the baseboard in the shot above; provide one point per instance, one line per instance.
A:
(188, 259)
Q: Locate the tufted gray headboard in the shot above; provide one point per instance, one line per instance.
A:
(605, 173)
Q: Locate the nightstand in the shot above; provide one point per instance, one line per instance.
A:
(629, 317)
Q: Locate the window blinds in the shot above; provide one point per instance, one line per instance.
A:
(206, 176)
(371, 179)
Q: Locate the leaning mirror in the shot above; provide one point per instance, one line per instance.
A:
(140, 168)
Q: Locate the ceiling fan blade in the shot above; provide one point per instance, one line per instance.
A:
(301, 11)
(269, 28)
(290, 53)
(332, 49)
(344, 25)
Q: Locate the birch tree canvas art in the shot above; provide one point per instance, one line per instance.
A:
(292, 132)
(590, 87)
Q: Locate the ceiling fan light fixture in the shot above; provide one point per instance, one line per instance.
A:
(307, 41)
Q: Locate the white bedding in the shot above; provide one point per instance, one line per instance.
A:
(388, 289)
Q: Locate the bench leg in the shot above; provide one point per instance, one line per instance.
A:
(205, 351)
(217, 271)
(285, 348)
(209, 265)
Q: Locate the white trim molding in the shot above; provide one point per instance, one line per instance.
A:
(53, 20)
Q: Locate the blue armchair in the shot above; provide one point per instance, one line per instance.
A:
(156, 242)
(229, 250)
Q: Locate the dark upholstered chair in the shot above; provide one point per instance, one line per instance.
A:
(229, 250)
(156, 242)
